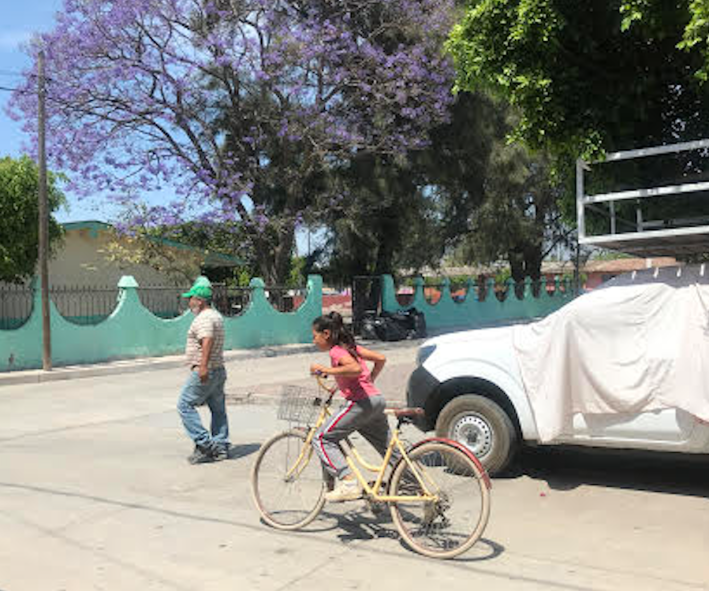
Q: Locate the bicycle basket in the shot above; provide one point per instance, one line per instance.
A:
(299, 405)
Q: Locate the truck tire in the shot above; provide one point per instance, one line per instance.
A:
(483, 427)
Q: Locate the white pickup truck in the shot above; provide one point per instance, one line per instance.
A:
(625, 366)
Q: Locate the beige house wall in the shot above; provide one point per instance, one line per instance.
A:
(82, 265)
(81, 261)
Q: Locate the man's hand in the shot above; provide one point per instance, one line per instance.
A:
(203, 374)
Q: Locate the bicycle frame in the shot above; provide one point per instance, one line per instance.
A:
(355, 461)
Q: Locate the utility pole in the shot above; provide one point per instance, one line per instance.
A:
(43, 217)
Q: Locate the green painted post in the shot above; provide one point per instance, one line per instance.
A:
(470, 289)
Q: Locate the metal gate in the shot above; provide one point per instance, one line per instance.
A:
(366, 297)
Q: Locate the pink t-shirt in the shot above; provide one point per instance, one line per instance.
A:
(353, 388)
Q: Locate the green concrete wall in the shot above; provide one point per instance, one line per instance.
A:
(133, 331)
(471, 312)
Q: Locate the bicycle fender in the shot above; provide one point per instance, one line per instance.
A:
(461, 447)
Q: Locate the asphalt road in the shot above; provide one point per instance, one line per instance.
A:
(95, 494)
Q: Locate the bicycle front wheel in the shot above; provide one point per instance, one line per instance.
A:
(287, 481)
(451, 524)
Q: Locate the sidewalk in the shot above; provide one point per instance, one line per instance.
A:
(142, 364)
(139, 364)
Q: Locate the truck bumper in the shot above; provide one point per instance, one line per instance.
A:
(420, 392)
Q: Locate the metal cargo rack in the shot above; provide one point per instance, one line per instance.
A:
(645, 238)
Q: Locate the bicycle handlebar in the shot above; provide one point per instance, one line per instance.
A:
(321, 382)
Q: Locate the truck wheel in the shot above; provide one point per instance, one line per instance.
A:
(483, 427)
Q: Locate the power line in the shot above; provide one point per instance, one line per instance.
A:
(18, 74)
(20, 90)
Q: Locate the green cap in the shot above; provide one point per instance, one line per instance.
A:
(201, 288)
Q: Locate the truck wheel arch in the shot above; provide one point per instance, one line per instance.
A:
(470, 385)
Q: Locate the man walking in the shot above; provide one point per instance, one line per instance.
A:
(205, 385)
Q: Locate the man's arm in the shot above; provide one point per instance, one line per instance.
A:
(206, 344)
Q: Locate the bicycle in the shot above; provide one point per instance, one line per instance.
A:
(438, 492)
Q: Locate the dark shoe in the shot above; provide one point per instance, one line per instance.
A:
(200, 455)
(220, 453)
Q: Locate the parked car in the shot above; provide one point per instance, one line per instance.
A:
(624, 366)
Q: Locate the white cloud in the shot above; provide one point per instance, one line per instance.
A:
(10, 40)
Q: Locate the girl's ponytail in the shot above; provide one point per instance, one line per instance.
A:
(339, 335)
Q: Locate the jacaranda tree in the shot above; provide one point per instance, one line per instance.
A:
(242, 106)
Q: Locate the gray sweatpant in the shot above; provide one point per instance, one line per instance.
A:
(365, 416)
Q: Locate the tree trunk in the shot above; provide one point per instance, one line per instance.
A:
(284, 253)
(533, 266)
(389, 236)
(526, 262)
(274, 260)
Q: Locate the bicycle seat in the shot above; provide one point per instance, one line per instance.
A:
(400, 413)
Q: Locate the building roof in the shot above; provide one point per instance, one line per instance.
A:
(606, 266)
(213, 259)
(610, 266)
(86, 225)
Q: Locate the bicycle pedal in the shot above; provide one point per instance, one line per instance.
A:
(376, 508)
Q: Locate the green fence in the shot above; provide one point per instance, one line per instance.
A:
(131, 330)
(474, 312)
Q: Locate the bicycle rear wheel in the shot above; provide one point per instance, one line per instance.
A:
(452, 524)
(287, 481)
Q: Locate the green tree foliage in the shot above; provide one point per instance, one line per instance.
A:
(470, 193)
(609, 75)
(19, 213)
(518, 220)
(385, 212)
(408, 214)
(499, 201)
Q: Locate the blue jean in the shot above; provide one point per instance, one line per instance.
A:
(195, 393)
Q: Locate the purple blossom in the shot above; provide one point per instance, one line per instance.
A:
(130, 112)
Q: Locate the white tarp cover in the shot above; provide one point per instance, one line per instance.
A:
(639, 344)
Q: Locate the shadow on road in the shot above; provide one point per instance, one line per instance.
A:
(362, 525)
(565, 468)
(237, 452)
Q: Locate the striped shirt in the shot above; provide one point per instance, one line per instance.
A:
(207, 324)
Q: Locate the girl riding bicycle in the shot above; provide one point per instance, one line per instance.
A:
(364, 411)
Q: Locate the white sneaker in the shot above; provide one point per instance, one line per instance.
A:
(345, 490)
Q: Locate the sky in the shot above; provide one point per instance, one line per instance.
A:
(18, 21)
